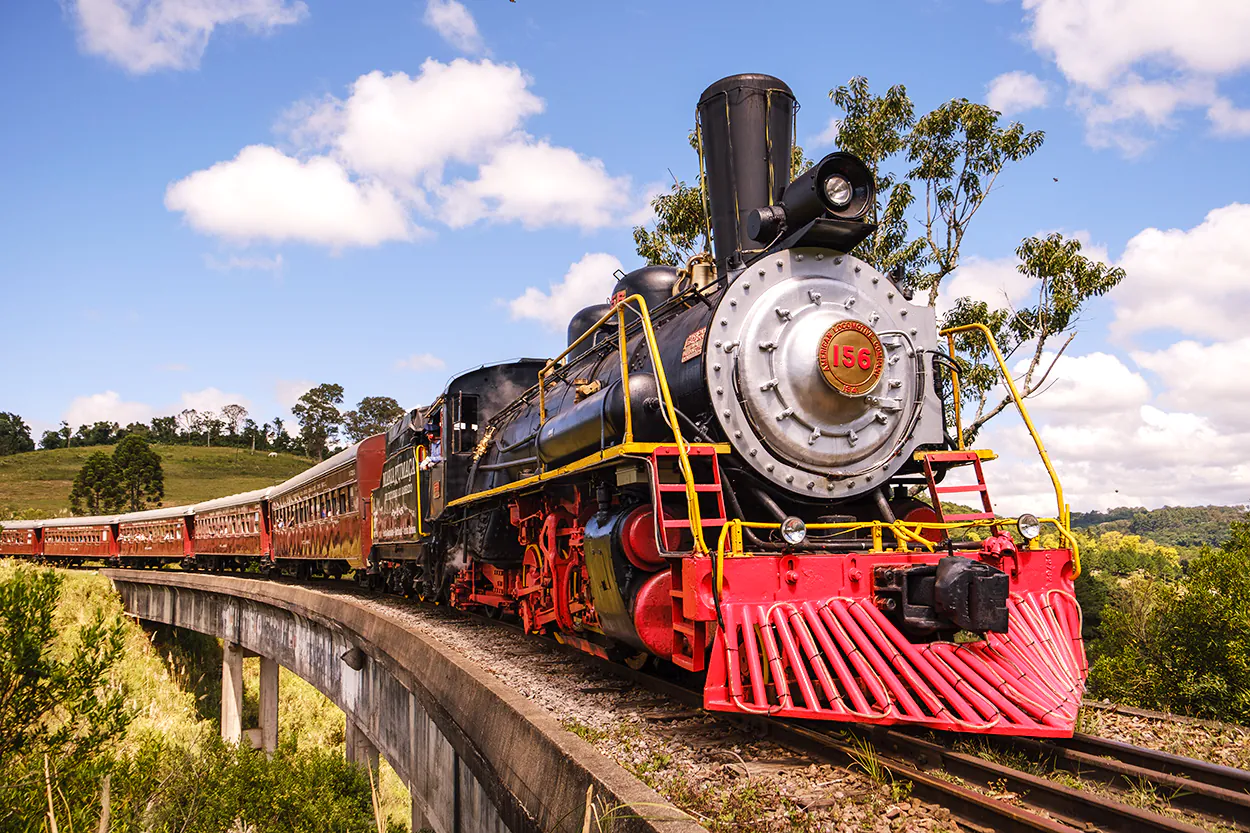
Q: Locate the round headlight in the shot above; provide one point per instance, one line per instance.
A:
(793, 531)
(1029, 526)
(838, 191)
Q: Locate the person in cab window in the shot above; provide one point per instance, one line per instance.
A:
(436, 446)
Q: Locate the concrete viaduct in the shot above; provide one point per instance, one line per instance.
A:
(477, 757)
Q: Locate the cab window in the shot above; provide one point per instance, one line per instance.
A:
(464, 423)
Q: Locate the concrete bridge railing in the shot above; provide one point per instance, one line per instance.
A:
(476, 755)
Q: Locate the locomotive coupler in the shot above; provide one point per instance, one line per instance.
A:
(930, 600)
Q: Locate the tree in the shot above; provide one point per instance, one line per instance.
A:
(14, 435)
(98, 433)
(165, 430)
(189, 419)
(63, 706)
(233, 415)
(319, 418)
(138, 428)
(373, 415)
(139, 474)
(51, 439)
(96, 487)
(1184, 647)
(210, 425)
(280, 440)
(1066, 279)
(253, 435)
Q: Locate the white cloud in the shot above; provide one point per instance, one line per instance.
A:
(1194, 281)
(1016, 92)
(264, 194)
(105, 407)
(1211, 378)
(1112, 445)
(454, 24)
(245, 264)
(288, 391)
(996, 281)
(1080, 388)
(1133, 65)
(210, 400)
(1095, 41)
(420, 362)
(401, 127)
(829, 135)
(536, 185)
(588, 281)
(146, 35)
(175, 367)
(1229, 120)
(365, 165)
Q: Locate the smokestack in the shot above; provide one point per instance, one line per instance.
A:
(747, 122)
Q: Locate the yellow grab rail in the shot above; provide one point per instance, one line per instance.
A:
(903, 531)
(666, 398)
(950, 334)
(419, 455)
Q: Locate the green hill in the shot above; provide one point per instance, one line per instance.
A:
(40, 481)
(1173, 526)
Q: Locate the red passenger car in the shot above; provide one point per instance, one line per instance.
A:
(231, 529)
(323, 516)
(153, 537)
(20, 538)
(77, 539)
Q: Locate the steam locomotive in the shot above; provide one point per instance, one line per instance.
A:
(722, 471)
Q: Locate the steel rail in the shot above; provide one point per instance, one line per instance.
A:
(1212, 790)
(1066, 808)
(1226, 778)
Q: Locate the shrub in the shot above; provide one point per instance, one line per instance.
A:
(1185, 648)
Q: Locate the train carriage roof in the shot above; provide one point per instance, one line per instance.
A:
(232, 501)
(154, 514)
(88, 520)
(22, 524)
(345, 457)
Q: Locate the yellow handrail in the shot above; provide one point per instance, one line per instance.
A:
(420, 455)
(1015, 395)
(903, 531)
(666, 399)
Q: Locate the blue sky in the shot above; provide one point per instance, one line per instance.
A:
(231, 200)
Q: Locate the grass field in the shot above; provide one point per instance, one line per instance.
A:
(41, 480)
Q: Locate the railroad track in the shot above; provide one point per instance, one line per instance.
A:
(983, 791)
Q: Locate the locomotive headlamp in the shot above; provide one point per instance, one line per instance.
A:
(1029, 526)
(838, 189)
(793, 531)
(838, 192)
(839, 186)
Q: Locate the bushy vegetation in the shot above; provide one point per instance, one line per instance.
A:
(1174, 526)
(88, 702)
(1182, 646)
